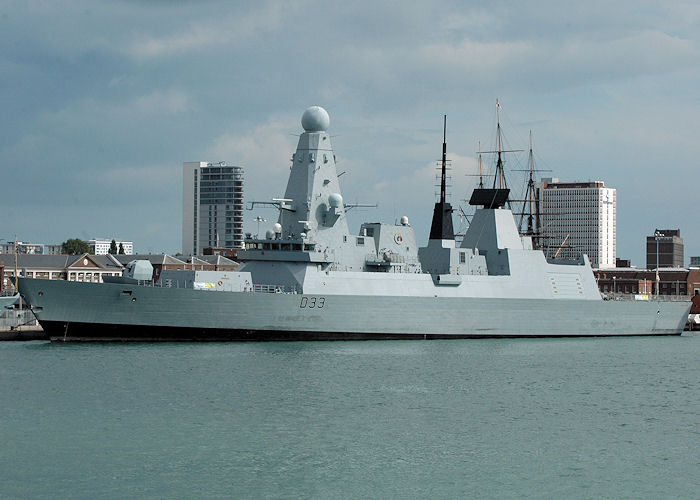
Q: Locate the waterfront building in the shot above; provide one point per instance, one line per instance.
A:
(677, 281)
(162, 262)
(212, 206)
(100, 246)
(83, 267)
(665, 249)
(695, 262)
(578, 217)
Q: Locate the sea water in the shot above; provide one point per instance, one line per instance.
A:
(517, 418)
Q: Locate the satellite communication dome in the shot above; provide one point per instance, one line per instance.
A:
(277, 227)
(335, 200)
(270, 234)
(404, 221)
(315, 119)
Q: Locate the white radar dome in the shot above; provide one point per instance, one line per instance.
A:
(335, 200)
(270, 234)
(404, 221)
(277, 227)
(315, 119)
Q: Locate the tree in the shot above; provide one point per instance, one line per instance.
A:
(121, 249)
(113, 247)
(75, 246)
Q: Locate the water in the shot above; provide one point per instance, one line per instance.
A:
(531, 418)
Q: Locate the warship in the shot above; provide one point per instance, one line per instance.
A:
(310, 278)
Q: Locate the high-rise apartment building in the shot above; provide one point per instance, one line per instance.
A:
(578, 217)
(212, 206)
(665, 249)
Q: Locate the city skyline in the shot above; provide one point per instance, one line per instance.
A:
(105, 101)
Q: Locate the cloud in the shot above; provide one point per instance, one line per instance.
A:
(264, 152)
(213, 32)
(132, 177)
(484, 57)
(560, 64)
(169, 101)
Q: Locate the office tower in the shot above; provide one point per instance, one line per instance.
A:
(665, 249)
(578, 217)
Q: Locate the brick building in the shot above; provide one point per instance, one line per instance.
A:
(630, 280)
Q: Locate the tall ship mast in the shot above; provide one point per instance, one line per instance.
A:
(441, 227)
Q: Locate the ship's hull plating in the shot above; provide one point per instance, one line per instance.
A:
(87, 311)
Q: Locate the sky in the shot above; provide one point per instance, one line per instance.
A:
(102, 102)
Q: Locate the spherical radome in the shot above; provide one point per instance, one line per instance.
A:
(270, 234)
(404, 220)
(335, 200)
(315, 119)
(277, 227)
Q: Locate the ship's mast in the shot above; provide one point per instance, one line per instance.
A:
(499, 162)
(530, 188)
(481, 170)
(444, 160)
(441, 227)
(530, 203)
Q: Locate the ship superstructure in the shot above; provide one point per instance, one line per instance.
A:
(309, 278)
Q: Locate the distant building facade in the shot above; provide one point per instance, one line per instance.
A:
(671, 281)
(22, 247)
(100, 246)
(53, 249)
(665, 249)
(162, 262)
(86, 267)
(695, 261)
(231, 253)
(578, 217)
(212, 206)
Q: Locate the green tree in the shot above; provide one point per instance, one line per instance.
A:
(75, 246)
(113, 247)
(121, 249)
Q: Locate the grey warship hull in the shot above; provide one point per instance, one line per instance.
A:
(112, 312)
